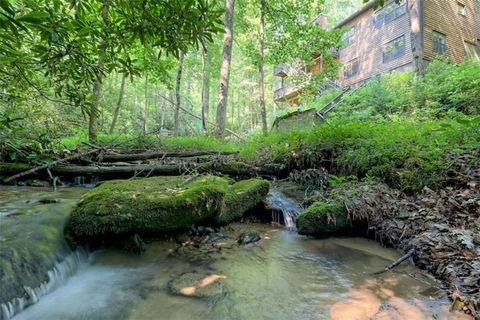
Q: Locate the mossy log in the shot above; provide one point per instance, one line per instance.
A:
(114, 157)
(232, 168)
(160, 204)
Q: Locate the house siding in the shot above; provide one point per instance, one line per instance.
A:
(368, 47)
(417, 26)
(442, 16)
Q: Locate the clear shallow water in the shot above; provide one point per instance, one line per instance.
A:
(284, 276)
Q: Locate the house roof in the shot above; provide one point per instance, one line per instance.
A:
(357, 13)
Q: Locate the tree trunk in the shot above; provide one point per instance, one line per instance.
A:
(145, 115)
(232, 107)
(177, 95)
(261, 72)
(161, 107)
(119, 103)
(415, 10)
(205, 89)
(221, 121)
(97, 84)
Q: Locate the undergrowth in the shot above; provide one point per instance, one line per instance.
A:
(406, 155)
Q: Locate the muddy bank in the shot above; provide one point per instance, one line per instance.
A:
(442, 227)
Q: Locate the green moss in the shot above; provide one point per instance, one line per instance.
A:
(323, 219)
(161, 204)
(242, 196)
(146, 205)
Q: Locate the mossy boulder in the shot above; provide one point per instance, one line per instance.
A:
(240, 197)
(160, 204)
(146, 205)
(323, 219)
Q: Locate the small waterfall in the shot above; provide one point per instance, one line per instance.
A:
(56, 277)
(282, 206)
(83, 182)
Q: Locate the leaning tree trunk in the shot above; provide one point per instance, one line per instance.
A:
(145, 115)
(261, 71)
(205, 89)
(177, 95)
(97, 85)
(221, 121)
(119, 103)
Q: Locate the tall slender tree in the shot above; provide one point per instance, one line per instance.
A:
(97, 84)
(221, 120)
(177, 95)
(205, 88)
(261, 71)
(145, 113)
(119, 102)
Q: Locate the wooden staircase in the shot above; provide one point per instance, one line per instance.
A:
(332, 103)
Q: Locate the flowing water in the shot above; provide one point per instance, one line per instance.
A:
(284, 276)
(283, 208)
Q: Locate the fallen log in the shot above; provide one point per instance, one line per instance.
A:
(112, 157)
(238, 169)
(50, 165)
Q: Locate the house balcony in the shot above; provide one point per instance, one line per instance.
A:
(286, 93)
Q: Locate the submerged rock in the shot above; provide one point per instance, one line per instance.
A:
(248, 237)
(37, 183)
(160, 204)
(323, 220)
(48, 201)
(199, 285)
(216, 237)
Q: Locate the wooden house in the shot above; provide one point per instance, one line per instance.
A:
(397, 36)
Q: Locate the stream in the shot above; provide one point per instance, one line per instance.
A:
(284, 276)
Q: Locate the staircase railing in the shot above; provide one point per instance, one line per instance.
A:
(332, 103)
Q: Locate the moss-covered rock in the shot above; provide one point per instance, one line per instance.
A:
(324, 219)
(161, 204)
(31, 239)
(146, 205)
(240, 197)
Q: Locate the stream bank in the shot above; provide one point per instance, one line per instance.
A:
(281, 276)
(440, 226)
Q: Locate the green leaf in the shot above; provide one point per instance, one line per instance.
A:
(5, 5)
(34, 17)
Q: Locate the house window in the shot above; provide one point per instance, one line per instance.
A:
(351, 68)
(394, 49)
(389, 13)
(349, 37)
(472, 51)
(439, 42)
(461, 9)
